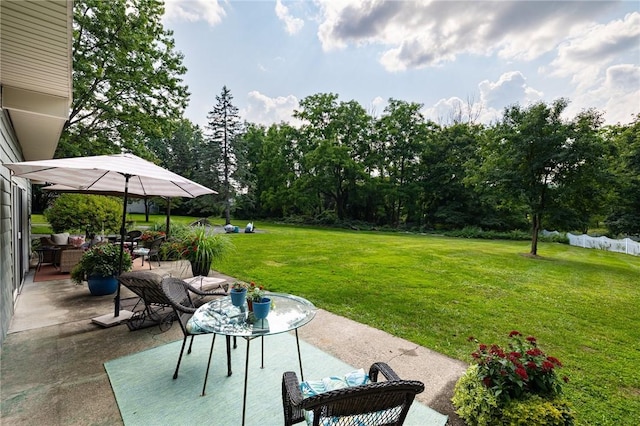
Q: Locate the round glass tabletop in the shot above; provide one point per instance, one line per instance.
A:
(288, 312)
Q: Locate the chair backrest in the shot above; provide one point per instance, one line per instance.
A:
(155, 244)
(146, 285)
(133, 235)
(379, 403)
(175, 290)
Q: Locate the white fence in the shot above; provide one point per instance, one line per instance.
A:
(627, 245)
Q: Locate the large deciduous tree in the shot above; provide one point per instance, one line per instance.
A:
(127, 78)
(625, 209)
(539, 159)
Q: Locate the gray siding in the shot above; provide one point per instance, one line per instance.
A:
(10, 254)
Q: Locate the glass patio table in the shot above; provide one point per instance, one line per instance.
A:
(219, 316)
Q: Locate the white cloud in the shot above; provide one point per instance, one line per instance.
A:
(430, 33)
(193, 11)
(618, 97)
(264, 110)
(291, 24)
(585, 55)
(510, 88)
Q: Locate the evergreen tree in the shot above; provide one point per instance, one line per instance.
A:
(223, 156)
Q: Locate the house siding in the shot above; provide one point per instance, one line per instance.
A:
(13, 255)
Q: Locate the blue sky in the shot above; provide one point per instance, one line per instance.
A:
(450, 56)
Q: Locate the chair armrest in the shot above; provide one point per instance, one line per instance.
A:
(206, 293)
(291, 399)
(382, 367)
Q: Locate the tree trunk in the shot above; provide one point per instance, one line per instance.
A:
(534, 234)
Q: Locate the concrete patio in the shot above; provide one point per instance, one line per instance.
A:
(52, 359)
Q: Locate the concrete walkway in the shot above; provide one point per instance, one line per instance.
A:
(52, 359)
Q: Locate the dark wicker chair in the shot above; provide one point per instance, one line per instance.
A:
(154, 250)
(376, 403)
(176, 292)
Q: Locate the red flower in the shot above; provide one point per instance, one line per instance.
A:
(547, 366)
(554, 360)
(522, 373)
(532, 365)
(487, 381)
(482, 347)
(515, 333)
(534, 352)
(531, 339)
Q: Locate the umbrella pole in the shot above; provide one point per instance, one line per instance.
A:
(122, 234)
(168, 230)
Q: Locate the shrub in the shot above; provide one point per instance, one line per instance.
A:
(89, 213)
(506, 386)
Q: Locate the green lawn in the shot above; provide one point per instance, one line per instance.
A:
(581, 305)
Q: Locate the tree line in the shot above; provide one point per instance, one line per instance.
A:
(532, 169)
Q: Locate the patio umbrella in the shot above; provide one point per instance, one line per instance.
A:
(121, 173)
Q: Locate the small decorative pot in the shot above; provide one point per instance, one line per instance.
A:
(101, 286)
(238, 297)
(261, 309)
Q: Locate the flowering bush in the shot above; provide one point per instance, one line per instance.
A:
(152, 235)
(522, 368)
(520, 381)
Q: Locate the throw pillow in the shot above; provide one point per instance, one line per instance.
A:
(315, 387)
(76, 241)
(60, 239)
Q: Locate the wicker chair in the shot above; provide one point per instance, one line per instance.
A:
(176, 292)
(376, 403)
(70, 258)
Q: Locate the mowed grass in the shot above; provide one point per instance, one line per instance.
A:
(582, 305)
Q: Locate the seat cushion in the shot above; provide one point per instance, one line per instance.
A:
(314, 387)
(60, 239)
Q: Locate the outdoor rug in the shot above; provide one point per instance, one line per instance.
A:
(147, 394)
(51, 273)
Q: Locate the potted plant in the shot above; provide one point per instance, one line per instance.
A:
(516, 385)
(201, 248)
(257, 302)
(238, 293)
(99, 265)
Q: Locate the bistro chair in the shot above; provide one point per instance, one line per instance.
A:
(177, 292)
(351, 400)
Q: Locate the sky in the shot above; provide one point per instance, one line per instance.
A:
(473, 57)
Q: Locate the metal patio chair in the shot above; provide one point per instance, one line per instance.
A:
(176, 292)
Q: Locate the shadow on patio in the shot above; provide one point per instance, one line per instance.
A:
(52, 369)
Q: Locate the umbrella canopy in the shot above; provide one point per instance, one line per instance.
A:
(120, 173)
(111, 173)
(71, 190)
